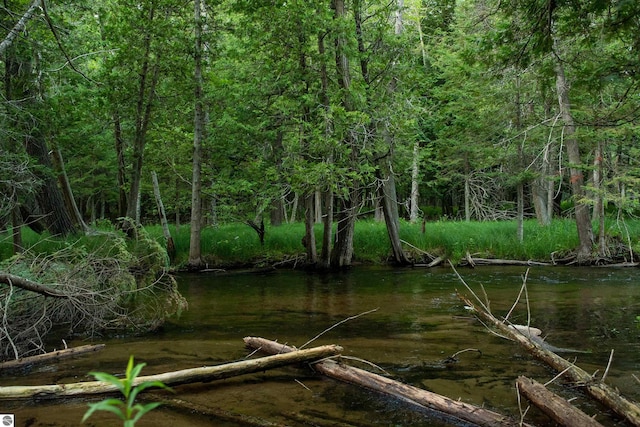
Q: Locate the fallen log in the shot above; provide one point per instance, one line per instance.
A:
(50, 357)
(220, 414)
(596, 389)
(557, 408)
(203, 374)
(423, 398)
(473, 261)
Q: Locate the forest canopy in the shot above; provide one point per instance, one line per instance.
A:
(321, 111)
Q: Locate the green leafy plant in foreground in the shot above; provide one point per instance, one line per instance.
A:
(126, 410)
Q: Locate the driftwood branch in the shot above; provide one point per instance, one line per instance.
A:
(51, 356)
(557, 408)
(422, 398)
(597, 389)
(473, 261)
(185, 376)
(28, 285)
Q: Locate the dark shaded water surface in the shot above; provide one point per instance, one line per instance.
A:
(419, 322)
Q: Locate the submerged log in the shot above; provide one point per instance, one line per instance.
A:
(220, 414)
(185, 376)
(557, 408)
(50, 357)
(596, 389)
(423, 398)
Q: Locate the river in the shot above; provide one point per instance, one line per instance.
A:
(418, 323)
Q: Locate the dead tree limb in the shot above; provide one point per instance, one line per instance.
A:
(557, 408)
(597, 389)
(422, 398)
(50, 357)
(20, 26)
(28, 285)
(185, 376)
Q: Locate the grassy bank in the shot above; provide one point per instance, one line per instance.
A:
(238, 244)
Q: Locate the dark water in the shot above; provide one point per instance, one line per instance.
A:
(419, 322)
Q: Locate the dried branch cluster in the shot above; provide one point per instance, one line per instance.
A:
(15, 178)
(73, 292)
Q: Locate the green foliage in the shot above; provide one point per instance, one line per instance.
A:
(128, 411)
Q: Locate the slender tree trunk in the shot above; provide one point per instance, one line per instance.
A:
(119, 141)
(598, 208)
(16, 229)
(309, 239)
(318, 207)
(327, 230)
(146, 94)
(415, 189)
(467, 197)
(171, 248)
(294, 208)
(195, 259)
(342, 253)
(63, 179)
(583, 219)
(520, 164)
(327, 193)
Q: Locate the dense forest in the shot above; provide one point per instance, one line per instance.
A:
(320, 111)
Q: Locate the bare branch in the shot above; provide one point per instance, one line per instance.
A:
(28, 285)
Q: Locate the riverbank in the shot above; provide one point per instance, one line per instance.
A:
(237, 245)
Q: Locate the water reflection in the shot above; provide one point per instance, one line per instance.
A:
(418, 324)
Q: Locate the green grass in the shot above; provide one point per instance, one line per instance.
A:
(237, 244)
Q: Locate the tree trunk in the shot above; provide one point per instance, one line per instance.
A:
(318, 207)
(309, 239)
(327, 230)
(63, 179)
(171, 248)
(195, 257)
(583, 219)
(387, 190)
(49, 196)
(144, 103)
(342, 253)
(119, 142)
(414, 207)
(16, 230)
(598, 207)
